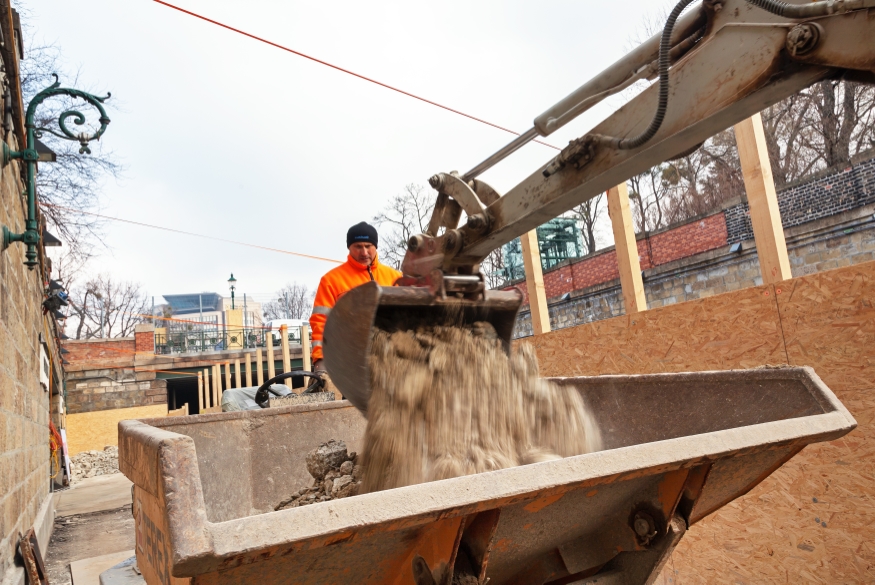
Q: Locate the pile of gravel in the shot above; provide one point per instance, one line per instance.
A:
(94, 463)
(336, 474)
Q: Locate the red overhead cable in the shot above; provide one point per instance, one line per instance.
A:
(347, 71)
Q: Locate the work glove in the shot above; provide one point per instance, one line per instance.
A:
(323, 382)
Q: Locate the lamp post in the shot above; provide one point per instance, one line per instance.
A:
(31, 235)
(232, 284)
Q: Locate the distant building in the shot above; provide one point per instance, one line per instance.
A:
(207, 311)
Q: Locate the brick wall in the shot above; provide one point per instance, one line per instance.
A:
(119, 350)
(828, 193)
(658, 248)
(144, 339)
(832, 242)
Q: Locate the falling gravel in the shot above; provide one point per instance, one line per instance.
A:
(448, 401)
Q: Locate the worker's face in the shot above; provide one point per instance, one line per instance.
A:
(363, 253)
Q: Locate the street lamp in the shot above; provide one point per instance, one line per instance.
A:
(232, 284)
(30, 237)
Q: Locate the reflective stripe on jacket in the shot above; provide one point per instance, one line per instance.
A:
(335, 284)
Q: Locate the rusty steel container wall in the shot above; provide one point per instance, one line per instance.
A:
(677, 447)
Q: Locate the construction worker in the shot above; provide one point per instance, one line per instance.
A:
(361, 266)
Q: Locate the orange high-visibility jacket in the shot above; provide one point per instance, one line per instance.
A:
(336, 283)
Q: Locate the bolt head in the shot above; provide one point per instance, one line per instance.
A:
(642, 527)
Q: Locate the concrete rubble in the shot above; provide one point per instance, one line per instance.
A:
(94, 463)
(336, 474)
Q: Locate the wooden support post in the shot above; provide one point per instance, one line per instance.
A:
(237, 374)
(200, 392)
(207, 392)
(217, 385)
(627, 249)
(287, 356)
(305, 347)
(535, 283)
(248, 370)
(227, 375)
(271, 371)
(259, 364)
(765, 215)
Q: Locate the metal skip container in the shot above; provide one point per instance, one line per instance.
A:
(677, 447)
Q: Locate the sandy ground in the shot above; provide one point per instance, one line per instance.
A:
(93, 519)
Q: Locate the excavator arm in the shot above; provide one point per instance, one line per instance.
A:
(715, 64)
(728, 60)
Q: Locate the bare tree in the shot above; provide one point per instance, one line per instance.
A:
(843, 125)
(823, 126)
(293, 301)
(405, 215)
(493, 269)
(786, 125)
(587, 214)
(72, 184)
(650, 192)
(107, 308)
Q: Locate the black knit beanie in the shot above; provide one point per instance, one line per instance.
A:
(361, 232)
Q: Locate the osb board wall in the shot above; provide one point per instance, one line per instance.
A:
(812, 519)
(89, 431)
(734, 330)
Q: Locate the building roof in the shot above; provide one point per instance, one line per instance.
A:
(191, 303)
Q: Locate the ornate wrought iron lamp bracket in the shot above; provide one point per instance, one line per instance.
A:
(31, 235)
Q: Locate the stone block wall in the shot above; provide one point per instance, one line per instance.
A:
(110, 388)
(24, 403)
(101, 373)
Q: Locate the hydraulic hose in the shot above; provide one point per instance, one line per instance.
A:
(664, 63)
(774, 6)
(796, 10)
(262, 398)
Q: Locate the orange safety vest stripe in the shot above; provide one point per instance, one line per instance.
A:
(335, 284)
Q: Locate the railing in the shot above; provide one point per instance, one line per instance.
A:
(219, 340)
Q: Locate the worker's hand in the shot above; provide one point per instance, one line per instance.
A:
(323, 382)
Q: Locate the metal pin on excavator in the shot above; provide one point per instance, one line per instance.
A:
(716, 65)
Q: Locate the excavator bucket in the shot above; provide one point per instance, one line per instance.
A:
(350, 324)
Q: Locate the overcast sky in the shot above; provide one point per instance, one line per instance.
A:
(226, 136)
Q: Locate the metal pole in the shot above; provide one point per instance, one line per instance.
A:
(244, 321)
(200, 301)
